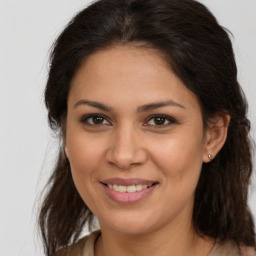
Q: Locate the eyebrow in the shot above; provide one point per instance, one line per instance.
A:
(143, 108)
(94, 104)
(155, 105)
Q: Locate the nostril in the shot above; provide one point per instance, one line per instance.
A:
(125, 156)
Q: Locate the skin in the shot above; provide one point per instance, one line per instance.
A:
(131, 144)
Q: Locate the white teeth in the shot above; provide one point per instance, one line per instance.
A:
(128, 189)
(122, 188)
(116, 187)
(138, 187)
(131, 189)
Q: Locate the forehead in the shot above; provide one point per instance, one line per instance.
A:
(128, 72)
(121, 60)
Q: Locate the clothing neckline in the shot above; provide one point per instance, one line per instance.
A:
(94, 236)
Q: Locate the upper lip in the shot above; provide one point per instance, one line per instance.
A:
(128, 182)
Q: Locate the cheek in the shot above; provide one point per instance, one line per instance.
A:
(85, 156)
(179, 158)
(179, 161)
(84, 152)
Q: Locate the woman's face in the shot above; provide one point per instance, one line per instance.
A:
(133, 126)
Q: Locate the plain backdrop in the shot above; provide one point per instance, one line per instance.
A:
(27, 148)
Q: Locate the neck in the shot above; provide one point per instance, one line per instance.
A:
(179, 241)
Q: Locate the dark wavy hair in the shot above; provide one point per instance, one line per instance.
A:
(200, 52)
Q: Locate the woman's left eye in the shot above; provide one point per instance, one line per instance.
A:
(160, 120)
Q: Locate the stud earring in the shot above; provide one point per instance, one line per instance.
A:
(210, 156)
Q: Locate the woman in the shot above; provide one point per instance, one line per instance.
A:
(154, 134)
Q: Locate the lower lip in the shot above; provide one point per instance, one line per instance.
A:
(128, 198)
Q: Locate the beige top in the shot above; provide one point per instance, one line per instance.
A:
(85, 247)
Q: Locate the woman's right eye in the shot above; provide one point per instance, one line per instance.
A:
(94, 120)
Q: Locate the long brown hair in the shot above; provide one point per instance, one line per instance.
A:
(200, 52)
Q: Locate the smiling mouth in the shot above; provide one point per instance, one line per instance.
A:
(128, 189)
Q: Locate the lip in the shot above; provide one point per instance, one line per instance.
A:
(128, 182)
(128, 198)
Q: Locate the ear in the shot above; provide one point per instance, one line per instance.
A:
(216, 135)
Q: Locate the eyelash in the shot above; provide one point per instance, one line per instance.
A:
(85, 119)
(170, 120)
(165, 117)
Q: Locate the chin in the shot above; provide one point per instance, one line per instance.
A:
(132, 229)
(132, 224)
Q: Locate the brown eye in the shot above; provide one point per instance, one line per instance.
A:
(161, 121)
(94, 120)
(97, 120)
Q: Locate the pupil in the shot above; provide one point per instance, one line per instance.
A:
(98, 120)
(159, 120)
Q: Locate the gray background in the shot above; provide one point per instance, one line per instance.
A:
(27, 149)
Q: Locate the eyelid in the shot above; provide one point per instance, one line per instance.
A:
(86, 117)
(168, 118)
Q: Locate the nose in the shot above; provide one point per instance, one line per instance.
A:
(126, 149)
